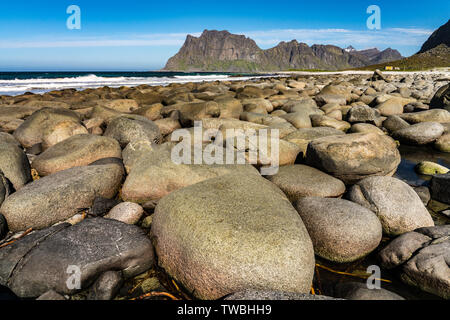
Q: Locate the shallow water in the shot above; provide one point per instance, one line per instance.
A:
(411, 156)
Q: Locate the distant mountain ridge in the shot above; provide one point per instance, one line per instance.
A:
(222, 51)
(435, 53)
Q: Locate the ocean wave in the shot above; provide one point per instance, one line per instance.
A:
(41, 85)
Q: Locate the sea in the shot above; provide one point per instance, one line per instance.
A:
(16, 83)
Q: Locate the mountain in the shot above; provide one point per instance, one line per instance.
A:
(440, 36)
(223, 51)
(435, 53)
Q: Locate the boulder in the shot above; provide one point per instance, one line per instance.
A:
(441, 100)
(365, 128)
(420, 133)
(434, 115)
(216, 238)
(341, 231)
(298, 181)
(14, 165)
(76, 151)
(32, 131)
(151, 112)
(129, 128)
(443, 143)
(92, 247)
(352, 157)
(194, 111)
(362, 114)
(61, 131)
(423, 259)
(396, 204)
(154, 175)
(395, 123)
(59, 196)
(324, 121)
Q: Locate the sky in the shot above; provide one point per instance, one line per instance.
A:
(141, 35)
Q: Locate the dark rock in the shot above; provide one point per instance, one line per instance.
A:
(3, 226)
(95, 246)
(440, 188)
(441, 99)
(107, 286)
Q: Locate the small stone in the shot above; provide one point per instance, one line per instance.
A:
(431, 168)
(106, 286)
(126, 212)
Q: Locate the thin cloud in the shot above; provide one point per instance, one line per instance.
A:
(360, 39)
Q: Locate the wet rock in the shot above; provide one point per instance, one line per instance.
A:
(58, 197)
(106, 286)
(423, 259)
(341, 231)
(440, 188)
(298, 181)
(352, 157)
(79, 150)
(93, 246)
(396, 204)
(130, 128)
(430, 168)
(226, 232)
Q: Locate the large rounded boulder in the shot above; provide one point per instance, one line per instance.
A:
(59, 196)
(396, 204)
(341, 231)
(79, 150)
(231, 233)
(352, 157)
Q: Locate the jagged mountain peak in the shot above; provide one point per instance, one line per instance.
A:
(440, 36)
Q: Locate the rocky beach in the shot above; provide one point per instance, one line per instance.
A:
(93, 207)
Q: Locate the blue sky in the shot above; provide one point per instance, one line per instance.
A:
(142, 35)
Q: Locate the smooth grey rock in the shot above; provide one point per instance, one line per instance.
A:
(260, 295)
(352, 157)
(434, 115)
(401, 249)
(14, 165)
(440, 188)
(360, 291)
(298, 181)
(126, 212)
(94, 245)
(58, 197)
(395, 123)
(341, 231)
(106, 286)
(424, 194)
(129, 128)
(396, 204)
(230, 233)
(423, 257)
(420, 133)
(76, 151)
(32, 131)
